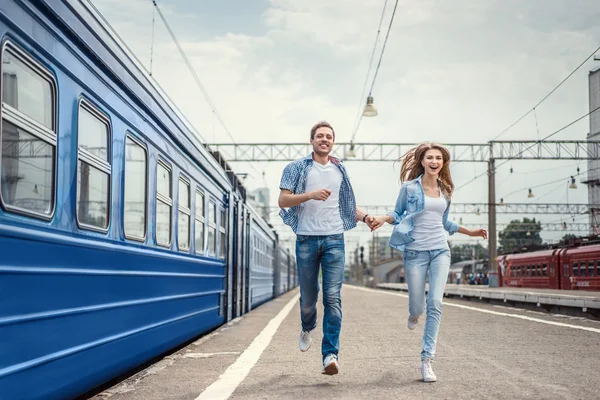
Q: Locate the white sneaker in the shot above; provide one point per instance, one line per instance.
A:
(330, 365)
(412, 322)
(305, 340)
(427, 371)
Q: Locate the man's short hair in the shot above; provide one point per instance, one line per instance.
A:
(322, 124)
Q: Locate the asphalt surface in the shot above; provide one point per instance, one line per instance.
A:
(484, 352)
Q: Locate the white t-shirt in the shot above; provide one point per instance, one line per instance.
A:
(317, 217)
(428, 230)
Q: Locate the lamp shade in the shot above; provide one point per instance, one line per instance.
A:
(370, 110)
(572, 185)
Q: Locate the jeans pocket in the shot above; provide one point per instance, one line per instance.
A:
(410, 255)
(301, 238)
(339, 236)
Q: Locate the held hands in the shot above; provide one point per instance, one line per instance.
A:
(375, 222)
(321, 194)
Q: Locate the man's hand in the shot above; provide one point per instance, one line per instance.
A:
(321, 194)
(376, 222)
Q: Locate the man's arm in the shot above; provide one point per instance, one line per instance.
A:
(287, 199)
(360, 214)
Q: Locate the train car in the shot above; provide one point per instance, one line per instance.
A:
(121, 235)
(282, 276)
(262, 254)
(539, 269)
(581, 268)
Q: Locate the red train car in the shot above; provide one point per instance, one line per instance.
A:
(581, 268)
(572, 268)
(536, 270)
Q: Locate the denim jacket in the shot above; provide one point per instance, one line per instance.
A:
(411, 201)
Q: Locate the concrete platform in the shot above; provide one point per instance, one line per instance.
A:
(484, 352)
(584, 300)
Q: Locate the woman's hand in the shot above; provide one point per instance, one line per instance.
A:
(479, 232)
(376, 222)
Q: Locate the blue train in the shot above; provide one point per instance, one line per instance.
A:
(121, 235)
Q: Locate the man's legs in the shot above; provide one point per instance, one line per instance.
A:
(308, 259)
(332, 261)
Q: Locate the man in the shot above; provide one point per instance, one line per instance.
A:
(318, 203)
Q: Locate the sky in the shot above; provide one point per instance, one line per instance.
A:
(453, 72)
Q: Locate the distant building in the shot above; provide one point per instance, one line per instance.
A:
(593, 175)
(259, 199)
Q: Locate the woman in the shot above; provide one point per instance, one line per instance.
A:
(420, 218)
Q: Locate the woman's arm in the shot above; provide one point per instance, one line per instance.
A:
(476, 232)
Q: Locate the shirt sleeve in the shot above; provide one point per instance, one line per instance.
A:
(400, 206)
(289, 178)
(450, 226)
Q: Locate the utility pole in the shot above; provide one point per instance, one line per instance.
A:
(492, 245)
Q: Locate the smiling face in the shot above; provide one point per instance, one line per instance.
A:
(323, 141)
(432, 162)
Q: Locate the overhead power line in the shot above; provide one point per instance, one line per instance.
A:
(545, 97)
(362, 94)
(193, 71)
(197, 79)
(378, 64)
(534, 143)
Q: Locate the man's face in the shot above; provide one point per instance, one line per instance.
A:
(323, 141)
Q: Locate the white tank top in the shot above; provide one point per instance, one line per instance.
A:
(428, 230)
(320, 218)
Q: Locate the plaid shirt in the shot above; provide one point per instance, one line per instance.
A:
(294, 179)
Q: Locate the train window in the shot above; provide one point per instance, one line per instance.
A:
(199, 235)
(575, 269)
(29, 137)
(164, 202)
(212, 228)
(581, 269)
(222, 234)
(544, 270)
(93, 168)
(135, 190)
(183, 222)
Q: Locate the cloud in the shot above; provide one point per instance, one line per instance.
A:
(454, 72)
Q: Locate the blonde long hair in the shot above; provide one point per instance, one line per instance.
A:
(412, 167)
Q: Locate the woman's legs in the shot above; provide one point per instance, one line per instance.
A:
(439, 265)
(415, 270)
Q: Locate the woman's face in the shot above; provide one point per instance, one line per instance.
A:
(432, 162)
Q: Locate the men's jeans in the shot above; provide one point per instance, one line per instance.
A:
(328, 252)
(416, 266)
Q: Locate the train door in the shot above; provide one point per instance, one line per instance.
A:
(246, 306)
(553, 271)
(502, 269)
(564, 269)
(277, 265)
(238, 257)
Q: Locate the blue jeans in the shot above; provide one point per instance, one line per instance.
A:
(416, 266)
(311, 253)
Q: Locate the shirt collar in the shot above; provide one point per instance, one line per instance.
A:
(331, 158)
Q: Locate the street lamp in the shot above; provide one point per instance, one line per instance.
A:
(370, 110)
(351, 153)
(530, 195)
(572, 185)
